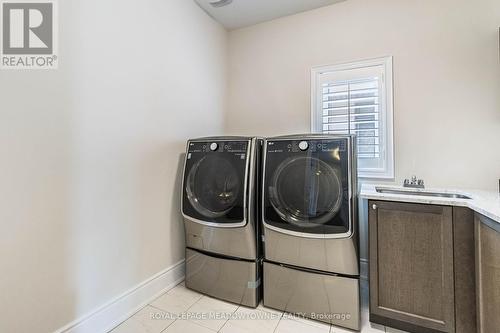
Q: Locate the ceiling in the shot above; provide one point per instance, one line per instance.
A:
(243, 13)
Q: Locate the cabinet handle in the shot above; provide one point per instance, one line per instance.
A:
(374, 207)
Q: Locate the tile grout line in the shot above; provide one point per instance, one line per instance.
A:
(331, 328)
(281, 316)
(192, 322)
(157, 308)
(164, 330)
(142, 308)
(129, 318)
(178, 315)
(201, 296)
(279, 321)
(160, 309)
(237, 307)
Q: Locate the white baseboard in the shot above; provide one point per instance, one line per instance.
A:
(111, 314)
(363, 267)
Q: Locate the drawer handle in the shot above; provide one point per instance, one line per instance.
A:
(374, 207)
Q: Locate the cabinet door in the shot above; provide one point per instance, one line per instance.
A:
(411, 266)
(464, 265)
(487, 274)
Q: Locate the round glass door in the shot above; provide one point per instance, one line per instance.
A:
(213, 186)
(306, 191)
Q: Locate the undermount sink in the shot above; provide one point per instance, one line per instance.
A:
(422, 193)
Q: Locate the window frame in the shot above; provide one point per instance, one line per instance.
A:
(387, 109)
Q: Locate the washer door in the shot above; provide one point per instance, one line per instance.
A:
(213, 186)
(215, 182)
(306, 192)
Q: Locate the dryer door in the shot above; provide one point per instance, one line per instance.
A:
(307, 191)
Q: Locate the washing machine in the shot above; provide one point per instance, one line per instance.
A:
(310, 227)
(220, 207)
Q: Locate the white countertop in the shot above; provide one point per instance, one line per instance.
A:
(486, 203)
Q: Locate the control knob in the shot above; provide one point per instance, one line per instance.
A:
(214, 146)
(303, 145)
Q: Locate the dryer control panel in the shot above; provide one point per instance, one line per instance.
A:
(297, 146)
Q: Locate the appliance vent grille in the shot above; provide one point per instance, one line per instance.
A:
(220, 3)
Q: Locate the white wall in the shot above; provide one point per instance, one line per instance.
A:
(90, 153)
(446, 79)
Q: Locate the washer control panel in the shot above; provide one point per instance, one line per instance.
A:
(214, 146)
(218, 147)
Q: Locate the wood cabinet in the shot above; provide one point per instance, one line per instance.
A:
(487, 235)
(464, 266)
(422, 275)
(433, 268)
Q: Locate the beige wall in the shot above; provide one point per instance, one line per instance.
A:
(446, 79)
(89, 155)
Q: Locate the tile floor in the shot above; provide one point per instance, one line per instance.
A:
(189, 307)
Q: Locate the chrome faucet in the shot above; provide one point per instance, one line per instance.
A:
(414, 182)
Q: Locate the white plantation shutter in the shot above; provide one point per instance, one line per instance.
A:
(352, 106)
(353, 99)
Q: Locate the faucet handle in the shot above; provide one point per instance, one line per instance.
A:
(413, 182)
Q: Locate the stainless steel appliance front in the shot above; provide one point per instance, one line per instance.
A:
(220, 210)
(309, 212)
(233, 280)
(329, 298)
(323, 254)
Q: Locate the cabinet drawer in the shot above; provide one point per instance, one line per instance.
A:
(329, 298)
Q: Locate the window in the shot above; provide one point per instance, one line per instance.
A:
(356, 98)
